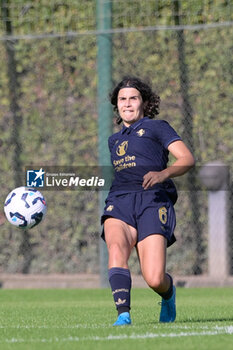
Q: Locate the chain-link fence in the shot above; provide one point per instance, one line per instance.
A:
(48, 116)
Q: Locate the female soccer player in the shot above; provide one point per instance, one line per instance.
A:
(139, 207)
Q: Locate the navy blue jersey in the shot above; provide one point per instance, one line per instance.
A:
(139, 149)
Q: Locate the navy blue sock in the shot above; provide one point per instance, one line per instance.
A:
(120, 281)
(168, 294)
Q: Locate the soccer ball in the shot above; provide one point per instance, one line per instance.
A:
(25, 207)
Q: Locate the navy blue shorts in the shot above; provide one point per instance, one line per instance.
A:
(149, 212)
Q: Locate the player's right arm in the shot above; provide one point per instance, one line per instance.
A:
(184, 161)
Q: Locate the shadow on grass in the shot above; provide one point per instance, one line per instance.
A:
(185, 321)
(214, 319)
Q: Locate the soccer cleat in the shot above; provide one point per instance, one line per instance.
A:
(123, 319)
(168, 308)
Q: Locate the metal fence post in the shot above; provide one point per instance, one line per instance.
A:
(104, 68)
(215, 177)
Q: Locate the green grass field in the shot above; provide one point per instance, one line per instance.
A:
(82, 319)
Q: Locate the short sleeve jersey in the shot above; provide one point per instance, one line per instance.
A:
(138, 149)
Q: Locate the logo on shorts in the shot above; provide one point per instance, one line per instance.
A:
(110, 208)
(122, 148)
(141, 132)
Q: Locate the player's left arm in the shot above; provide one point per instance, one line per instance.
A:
(184, 161)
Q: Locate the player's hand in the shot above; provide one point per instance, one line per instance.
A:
(152, 178)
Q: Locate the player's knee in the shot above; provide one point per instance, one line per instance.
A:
(155, 281)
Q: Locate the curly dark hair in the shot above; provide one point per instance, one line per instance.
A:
(152, 107)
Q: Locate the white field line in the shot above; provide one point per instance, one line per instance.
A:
(217, 330)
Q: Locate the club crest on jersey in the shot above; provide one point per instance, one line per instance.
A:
(140, 132)
(122, 148)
